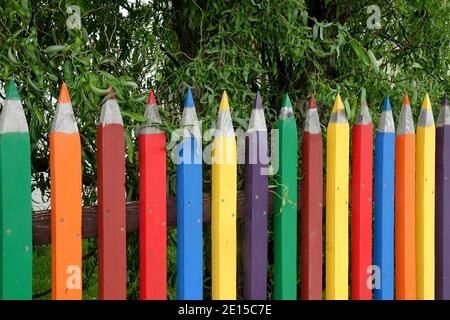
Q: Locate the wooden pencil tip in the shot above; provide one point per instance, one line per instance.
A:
(11, 91)
(312, 103)
(445, 101)
(224, 102)
(64, 96)
(151, 98)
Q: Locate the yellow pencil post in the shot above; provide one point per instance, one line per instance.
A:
(337, 204)
(425, 166)
(223, 214)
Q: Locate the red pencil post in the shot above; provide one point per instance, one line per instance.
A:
(152, 207)
(361, 221)
(312, 206)
(112, 248)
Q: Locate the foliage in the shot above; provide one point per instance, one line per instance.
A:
(300, 47)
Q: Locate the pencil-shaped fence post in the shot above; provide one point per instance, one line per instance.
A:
(443, 202)
(384, 203)
(66, 190)
(152, 206)
(255, 208)
(285, 206)
(223, 213)
(311, 206)
(425, 184)
(189, 206)
(361, 221)
(112, 270)
(15, 200)
(337, 204)
(405, 184)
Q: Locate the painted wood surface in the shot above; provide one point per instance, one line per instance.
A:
(405, 232)
(189, 206)
(337, 265)
(425, 215)
(311, 206)
(223, 208)
(361, 212)
(15, 200)
(383, 253)
(152, 208)
(256, 205)
(285, 206)
(443, 202)
(112, 255)
(66, 192)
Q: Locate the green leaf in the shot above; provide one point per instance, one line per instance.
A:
(347, 109)
(54, 49)
(315, 31)
(243, 123)
(129, 145)
(360, 52)
(375, 63)
(363, 95)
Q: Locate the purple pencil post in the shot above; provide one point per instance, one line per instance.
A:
(256, 202)
(443, 203)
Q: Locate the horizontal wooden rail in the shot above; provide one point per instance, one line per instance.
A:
(42, 219)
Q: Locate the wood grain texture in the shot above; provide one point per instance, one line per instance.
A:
(111, 198)
(361, 217)
(337, 191)
(405, 217)
(42, 230)
(311, 207)
(153, 235)
(285, 208)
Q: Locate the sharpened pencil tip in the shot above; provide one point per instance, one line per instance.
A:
(111, 93)
(258, 101)
(286, 102)
(312, 103)
(64, 96)
(406, 100)
(387, 104)
(189, 101)
(151, 98)
(11, 92)
(445, 101)
(224, 102)
(426, 104)
(338, 104)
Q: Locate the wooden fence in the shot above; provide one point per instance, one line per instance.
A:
(410, 236)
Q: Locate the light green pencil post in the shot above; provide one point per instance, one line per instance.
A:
(285, 206)
(15, 200)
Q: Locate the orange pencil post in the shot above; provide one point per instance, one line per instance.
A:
(405, 184)
(65, 180)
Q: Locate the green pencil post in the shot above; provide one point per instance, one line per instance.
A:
(285, 206)
(15, 201)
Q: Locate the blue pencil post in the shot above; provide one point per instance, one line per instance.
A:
(189, 206)
(384, 205)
